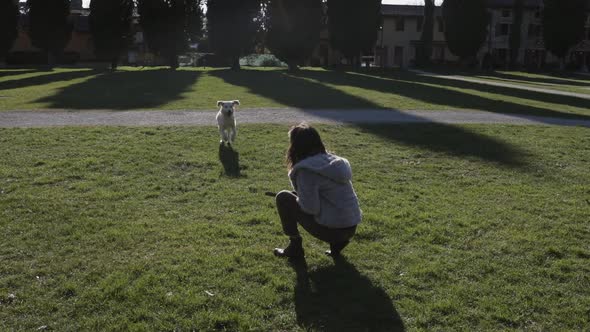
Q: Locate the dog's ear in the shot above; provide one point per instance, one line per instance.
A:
(236, 102)
(219, 103)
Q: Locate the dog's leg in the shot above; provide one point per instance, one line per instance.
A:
(223, 135)
(232, 136)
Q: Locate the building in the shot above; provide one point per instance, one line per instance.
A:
(79, 48)
(532, 53)
(400, 36)
(402, 30)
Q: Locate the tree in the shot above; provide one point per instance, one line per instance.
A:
(425, 48)
(49, 28)
(194, 17)
(515, 33)
(164, 24)
(110, 24)
(466, 26)
(353, 26)
(294, 29)
(232, 28)
(563, 25)
(8, 25)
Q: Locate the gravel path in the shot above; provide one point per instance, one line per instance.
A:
(57, 118)
(505, 85)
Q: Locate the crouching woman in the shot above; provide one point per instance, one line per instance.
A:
(324, 202)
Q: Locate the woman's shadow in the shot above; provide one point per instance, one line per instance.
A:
(230, 159)
(340, 298)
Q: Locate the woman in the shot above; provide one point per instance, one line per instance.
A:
(324, 202)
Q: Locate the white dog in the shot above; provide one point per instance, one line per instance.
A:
(226, 121)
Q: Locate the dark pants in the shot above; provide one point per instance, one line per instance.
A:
(291, 215)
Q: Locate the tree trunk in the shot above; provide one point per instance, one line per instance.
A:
(515, 34)
(236, 63)
(50, 59)
(114, 63)
(425, 48)
(562, 64)
(293, 66)
(468, 61)
(173, 61)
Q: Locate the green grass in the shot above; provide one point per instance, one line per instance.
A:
(559, 83)
(160, 88)
(465, 228)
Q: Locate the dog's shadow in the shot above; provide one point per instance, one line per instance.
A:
(230, 159)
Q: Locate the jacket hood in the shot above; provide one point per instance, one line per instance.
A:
(328, 165)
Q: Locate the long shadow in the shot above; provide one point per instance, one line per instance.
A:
(13, 72)
(124, 90)
(557, 80)
(301, 93)
(546, 97)
(230, 160)
(340, 298)
(431, 90)
(47, 77)
(289, 90)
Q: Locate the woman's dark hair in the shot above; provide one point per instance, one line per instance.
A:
(305, 142)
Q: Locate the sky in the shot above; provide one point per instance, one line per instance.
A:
(397, 2)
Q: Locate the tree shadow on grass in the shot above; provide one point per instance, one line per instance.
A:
(546, 97)
(13, 72)
(278, 85)
(46, 77)
(451, 141)
(434, 90)
(125, 90)
(301, 93)
(559, 79)
(230, 159)
(340, 298)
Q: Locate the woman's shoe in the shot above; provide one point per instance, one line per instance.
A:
(294, 249)
(336, 248)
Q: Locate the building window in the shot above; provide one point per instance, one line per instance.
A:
(534, 30)
(506, 13)
(502, 30)
(419, 23)
(400, 24)
(441, 24)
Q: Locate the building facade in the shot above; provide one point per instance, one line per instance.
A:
(402, 30)
(79, 47)
(399, 38)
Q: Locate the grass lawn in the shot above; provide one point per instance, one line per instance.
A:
(568, 82)
(558, 83)
(160, 88)
(465, 228)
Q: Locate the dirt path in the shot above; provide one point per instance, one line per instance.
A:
(56, 118)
